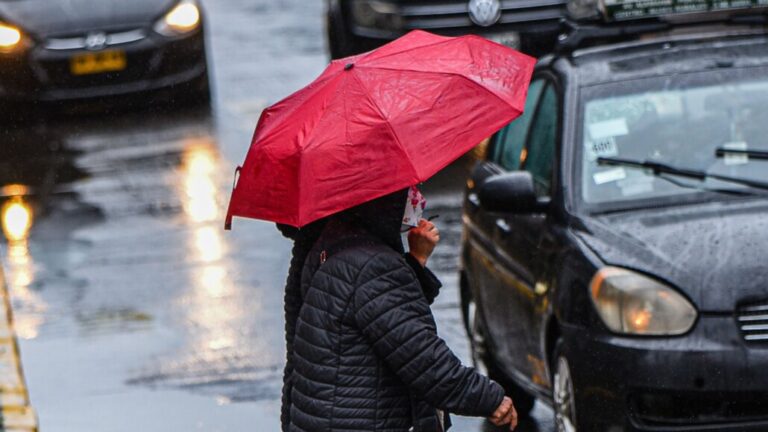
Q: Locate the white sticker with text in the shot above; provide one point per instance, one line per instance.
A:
(608, 128)
(735, 158)
(611, 175)
(636, 186)
(605, 147)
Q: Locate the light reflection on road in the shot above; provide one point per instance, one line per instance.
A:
(17, 218)
(212, 303)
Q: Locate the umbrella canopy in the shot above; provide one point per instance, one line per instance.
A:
(376, 123)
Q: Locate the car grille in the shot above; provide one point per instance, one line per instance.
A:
(753, 322)
(447, 14)
(699, 408)
(81, 41)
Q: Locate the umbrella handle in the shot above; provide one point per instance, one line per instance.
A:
(228, 220)
(236, 177)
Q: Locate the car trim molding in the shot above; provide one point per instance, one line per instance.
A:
(82, 42)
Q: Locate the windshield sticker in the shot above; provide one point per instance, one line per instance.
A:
(735, 158)
(667, 104)
(609, 128)
(636, 186)
(611, 175)
(605, 147)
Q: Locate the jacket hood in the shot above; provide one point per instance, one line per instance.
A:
(713, 253)
(381, 217)
(71, 17)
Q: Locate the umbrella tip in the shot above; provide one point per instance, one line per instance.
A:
(349, 66)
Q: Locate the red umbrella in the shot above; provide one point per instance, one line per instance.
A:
(376, 123)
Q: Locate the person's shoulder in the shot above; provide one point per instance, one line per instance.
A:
(364, 255)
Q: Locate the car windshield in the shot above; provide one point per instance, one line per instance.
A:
(679, 121)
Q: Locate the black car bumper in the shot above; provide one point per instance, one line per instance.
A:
(152, 63)
(710, 379)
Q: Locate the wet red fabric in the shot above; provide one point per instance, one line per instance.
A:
(378, 122)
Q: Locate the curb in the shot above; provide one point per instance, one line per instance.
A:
(16, 413)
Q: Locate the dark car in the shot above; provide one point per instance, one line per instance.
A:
(58, 50)
(355, 26)
(616, 235)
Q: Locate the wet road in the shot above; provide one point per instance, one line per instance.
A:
(135, 310)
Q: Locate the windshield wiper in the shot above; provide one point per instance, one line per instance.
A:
(755, 154)
(658, 168)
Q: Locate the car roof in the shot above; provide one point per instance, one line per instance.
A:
(670, 54)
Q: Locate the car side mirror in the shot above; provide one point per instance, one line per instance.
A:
(511, 192)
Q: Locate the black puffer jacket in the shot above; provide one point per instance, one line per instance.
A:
(366, 355)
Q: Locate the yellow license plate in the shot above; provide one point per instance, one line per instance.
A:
(98, 62)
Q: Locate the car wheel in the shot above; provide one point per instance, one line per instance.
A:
(563, 395)
(484, 363)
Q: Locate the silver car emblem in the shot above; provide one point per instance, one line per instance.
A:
(484, 13)
(96, 41)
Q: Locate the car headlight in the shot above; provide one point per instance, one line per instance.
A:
(376, 14)
(10, 37)
(631, 303)
(182, 19)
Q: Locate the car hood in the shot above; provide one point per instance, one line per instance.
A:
(69, 17)
(714, 253)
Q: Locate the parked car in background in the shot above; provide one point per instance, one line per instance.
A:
(355, 26)
(615, 234)
(59, 50)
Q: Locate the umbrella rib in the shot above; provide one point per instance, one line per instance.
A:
(389, 126)
(314, 93)
(405, 50)
(303, 149)
(446, 73)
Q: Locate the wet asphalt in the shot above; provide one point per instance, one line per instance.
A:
(135, 310)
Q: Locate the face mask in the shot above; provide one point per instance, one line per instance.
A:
(414, 207)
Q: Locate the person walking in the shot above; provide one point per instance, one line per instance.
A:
(363, 352)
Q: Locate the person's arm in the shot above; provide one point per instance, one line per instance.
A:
(430, 284)
(394, 316)
(421, 243)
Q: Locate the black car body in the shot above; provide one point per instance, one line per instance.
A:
(81, 49)
(355, 26)
(550, 229)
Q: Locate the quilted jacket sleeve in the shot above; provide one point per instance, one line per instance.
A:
(430, 284)
(394, 316)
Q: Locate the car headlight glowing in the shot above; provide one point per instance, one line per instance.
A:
(10, 37)
(182, 19)
(631, 303)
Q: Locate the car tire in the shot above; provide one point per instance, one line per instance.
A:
(563, 394)
(483, 361)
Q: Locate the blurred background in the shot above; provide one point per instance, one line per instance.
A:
(122, 124)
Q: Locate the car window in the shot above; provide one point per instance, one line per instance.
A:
(680, 121)
(539, 155)
(508, 143)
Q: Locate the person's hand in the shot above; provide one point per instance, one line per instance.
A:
(422, 241)
(505, 414)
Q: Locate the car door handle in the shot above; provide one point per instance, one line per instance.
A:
(503, 226)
